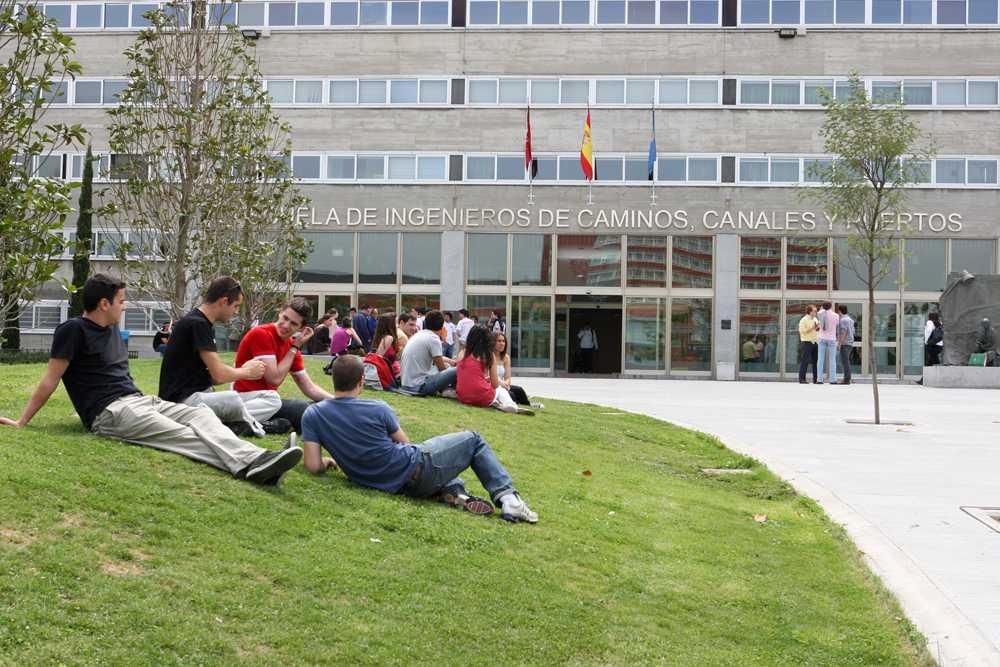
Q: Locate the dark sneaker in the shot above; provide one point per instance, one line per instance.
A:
(277, 426)
(471, 504)
(269, 467)
(240, 429)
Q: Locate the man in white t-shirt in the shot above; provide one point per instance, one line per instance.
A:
(449, 341)
(464, 326)
(424, 368)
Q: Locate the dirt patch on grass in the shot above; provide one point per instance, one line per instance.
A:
(16, 538)
(250, 650)
(71, 521)
(117, 568)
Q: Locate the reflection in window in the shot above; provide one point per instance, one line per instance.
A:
(691, 335)
(645, 333)
(376, 257)
(914, 319)
(486, 262)
(421, 258)
(588, 260)
(925, 264)
(806, 265)
(850, 270)
(975, 256)
(531, 259)
(760, 262)
(331, 259)
(428, 301)
(692, 261)
(647, 261)
(482, 306)
(530, 331)
(758, 341)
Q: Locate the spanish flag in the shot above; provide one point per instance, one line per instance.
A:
(587, 151)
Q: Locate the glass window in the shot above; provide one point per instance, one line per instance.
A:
(611, 12)
(755, 11)
(671, 169)
(513, 12)
(705, 12)
(482, 13)
(281, 14)
(914, 319)
(704, 92)
(434, 91)
(88, 92)
(886, 11)
(281, 92)
(340, 166)
(951, 12)
(486, 260)
(545, 12)
(983, 92)
(692, 261)
(806, 268)
(108, 243)
(431, 168)
(575, 12)
(785, 11)
(531, 259)
(116, 16)
(916, 92)
(645, 334)
(813, 91)
(513, 91)
(60, 13)
(344, 13)
(251, 14)
(982, 11)
(570, 169)
(402, 168)
(344, 92)
(403, 91)
(483, 91)
(609, 169)
(885, 92)
(758, 341)
(760, 262)
(641, 92)
(753, 170)
(58, 92)
(917, 11)
(377, 257)
(331, 259)
(919, 170)
(611, 91)
(673, 91)
(88, 16)
(925, 264)
(308, 13)
(950, 171)
(371, 167)
(850, 271)
(547, 167)
(647, 261)
(641, 12)
(434, 13)
(820, 11)
(794, 312)
(308, 92)
(510, 168)
(636, 169)
(112, 91)
(480, 168)
(574, 92)
(951, 92)
(421, 258)
(702, 169)
(138, 14)
(784, 171)
(49, 166)
(405, 13)
(691, 335)
(674, 12)
(305, 166)
(371, 91)
(544, 92)
(785, 92)
(374, 13)
(975, 256)
(983, 172)
(530, 331)
(588, 260)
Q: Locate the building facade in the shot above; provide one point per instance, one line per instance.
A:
(409, 121)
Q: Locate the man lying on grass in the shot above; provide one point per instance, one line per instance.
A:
(90, 357)
(367, 443)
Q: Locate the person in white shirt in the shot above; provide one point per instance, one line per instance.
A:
(464, 326)
(587, 340)
(449, 342)
(933, 340)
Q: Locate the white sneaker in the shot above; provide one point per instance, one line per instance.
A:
(538, 406)
(449, 393)
(514, 509)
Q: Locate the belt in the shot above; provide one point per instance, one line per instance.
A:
(416, 472)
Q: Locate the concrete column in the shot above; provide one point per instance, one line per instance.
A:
(453, 270)
(727, 305)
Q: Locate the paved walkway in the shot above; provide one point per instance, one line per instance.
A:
(897, 490)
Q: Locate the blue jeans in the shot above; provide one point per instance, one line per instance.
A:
(436, 383)
(445, 456)
(827, 357)
(448, 349)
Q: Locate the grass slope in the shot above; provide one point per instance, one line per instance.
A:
(116, 554)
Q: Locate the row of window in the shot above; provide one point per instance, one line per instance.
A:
(600, 92)
(45, 316)
(284, 14)
(947, 172)
(584, 260)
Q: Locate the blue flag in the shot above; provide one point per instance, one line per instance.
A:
(651, 161)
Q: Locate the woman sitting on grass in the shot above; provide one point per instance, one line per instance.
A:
(477, 381)
(385, 343)
(505, 372)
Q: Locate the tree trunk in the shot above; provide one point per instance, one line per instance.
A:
(870, 335)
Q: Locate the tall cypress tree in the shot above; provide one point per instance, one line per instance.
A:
(84, 233)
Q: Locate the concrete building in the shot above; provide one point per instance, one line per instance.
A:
(409, 126)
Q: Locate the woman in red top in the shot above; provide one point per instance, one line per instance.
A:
(477, 381)
(385, 343)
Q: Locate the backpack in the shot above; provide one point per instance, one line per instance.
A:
(378, 375)
(937, 335)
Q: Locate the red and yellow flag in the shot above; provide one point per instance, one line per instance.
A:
(587, 151)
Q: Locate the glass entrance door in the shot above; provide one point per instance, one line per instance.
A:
(589, 330)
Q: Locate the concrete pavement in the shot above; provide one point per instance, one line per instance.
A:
(897, 489)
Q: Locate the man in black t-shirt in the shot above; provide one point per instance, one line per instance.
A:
(91, 359)
(191, 365)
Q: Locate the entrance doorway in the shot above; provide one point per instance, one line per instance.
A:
(603, 315)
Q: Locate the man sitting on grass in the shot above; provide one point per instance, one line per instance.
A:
(91, 359)
(191, 365)
(367, 443)
(425, 370)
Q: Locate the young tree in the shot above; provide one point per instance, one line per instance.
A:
(35, 61)
(199, 168)
(876, 157)
(84, 236)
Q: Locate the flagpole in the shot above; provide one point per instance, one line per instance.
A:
(529, 160)
(652, 196)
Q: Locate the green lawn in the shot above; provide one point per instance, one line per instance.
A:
(115, 554)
